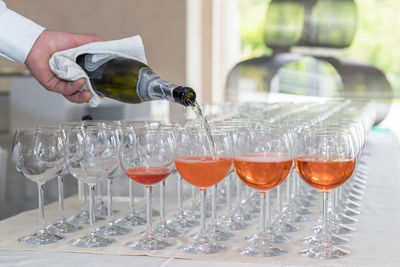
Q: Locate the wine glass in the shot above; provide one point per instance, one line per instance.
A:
(202, 161)
(111, 228)
(146, 156)
(324, 160)
(83, 216)
(61, 225)
(163, 228)
(38, 154)
(91, 156)
(262, 159)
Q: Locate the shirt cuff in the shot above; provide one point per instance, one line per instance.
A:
(17, 35)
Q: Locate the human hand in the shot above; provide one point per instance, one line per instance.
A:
(38, 58)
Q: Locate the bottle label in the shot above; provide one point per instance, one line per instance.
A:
(151, 87)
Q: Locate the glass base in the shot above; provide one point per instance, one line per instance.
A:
(339, 229)
(231, 223)
(251, 205)
(283, 226)
(202, 246)
(112, 229)
(215, 233)
(332, 239)
(149, 241)
(272, 237)
(62, 226)
(131, 219)
(351, 212)
(353, 205)
(182, 221)
(83, 218)
(297, 218)
(347, 219)
(304, 211)
(327, 252)
(242, 215)
(143, 213)
(262, 249)
(41, 237)
(165, 231)
(92, 240)
(194, 214)
(100, 209)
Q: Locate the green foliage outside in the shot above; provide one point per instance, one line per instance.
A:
(377, 38)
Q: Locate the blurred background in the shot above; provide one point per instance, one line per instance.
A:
(227, 50)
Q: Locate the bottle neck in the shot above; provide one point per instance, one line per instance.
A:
(152, 87)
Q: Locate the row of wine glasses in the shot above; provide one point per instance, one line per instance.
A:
(265, 146)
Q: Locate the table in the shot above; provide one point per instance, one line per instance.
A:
(375, 242)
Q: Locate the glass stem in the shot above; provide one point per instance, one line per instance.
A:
(91, 209)
(333, 202)
(262, 213)
(193, 195)
(238, 192)
(99, 189)
(214, 205)
(131, 197)
(337, 204)
(61, 197)
(162, 201)
(179, 183)
(268, 210)
(278, 201)
(109, 196)
(149, 190)
(289, 189)
(324, 239)
(84, 197)
(42, 226)
(202, 213)
(228, 195)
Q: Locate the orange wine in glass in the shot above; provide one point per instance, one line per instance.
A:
(325, 159)
(262, 159)
(203, 164)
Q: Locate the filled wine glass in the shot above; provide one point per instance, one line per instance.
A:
(324, 160)
(202, 161)
(38, 154)
(147, 157)
(262, 159)
(91, 156)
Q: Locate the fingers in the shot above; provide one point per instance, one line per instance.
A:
(79, 97)
(70, 90)
(64, 87)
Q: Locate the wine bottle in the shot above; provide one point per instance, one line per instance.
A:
(131, 81)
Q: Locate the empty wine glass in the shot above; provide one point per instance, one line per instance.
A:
(111, 228)
(91, 156)
(38, 154)
(163, 228)
(61, 225)
(324, 160)
(147, 158)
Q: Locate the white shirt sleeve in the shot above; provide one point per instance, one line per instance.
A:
(17, 34)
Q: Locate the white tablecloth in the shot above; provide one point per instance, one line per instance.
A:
(375, 242)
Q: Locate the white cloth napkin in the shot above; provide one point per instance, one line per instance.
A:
(63, 63)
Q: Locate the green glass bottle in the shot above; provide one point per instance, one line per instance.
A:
(131, 81)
